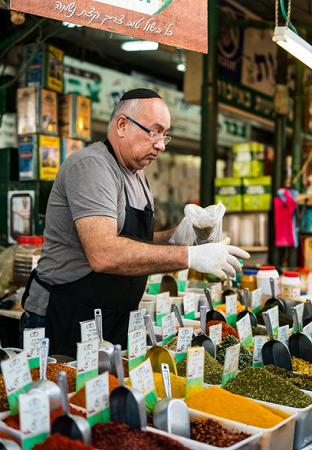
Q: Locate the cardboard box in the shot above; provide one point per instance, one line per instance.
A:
(75, 117)
(46, 70)
(257, 194)
(39, 157)
(8, 132)
(69, 146)
(229, 192)
(248, 159)
(37, 111)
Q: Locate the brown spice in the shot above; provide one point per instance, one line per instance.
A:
(125, 363)
(210, 432)
(59, 442)
(79, 399)
(52, 370)
(4, 403)
(226, 329)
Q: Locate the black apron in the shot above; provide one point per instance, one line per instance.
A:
(116, 295)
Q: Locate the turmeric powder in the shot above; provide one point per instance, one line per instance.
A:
(219, 402)
(178, 385)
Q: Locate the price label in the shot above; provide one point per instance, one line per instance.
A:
(182, 280)
(88, 330)
(97, 399)
(136, 347)
(168, 327)
(299, 308)
(34, 413)
(231, 359)
(155, 281)
(184, 341)
(244, 330)
(273, 313)
(256, 300)
(17, 378)
(136, 319)
(231, 309)
(216, 294)
(194, 370)
(308, 329)
(31, 342)
(283, 334)
(162, 306)
(258, 343)
(87, 362)
(215, 333)
(142, 379)
(189, 306)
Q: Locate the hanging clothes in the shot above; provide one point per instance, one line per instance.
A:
(285, 219)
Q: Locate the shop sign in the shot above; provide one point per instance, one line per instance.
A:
(171, 22)
(232, 131)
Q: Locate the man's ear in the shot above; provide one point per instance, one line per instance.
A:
(121, 126)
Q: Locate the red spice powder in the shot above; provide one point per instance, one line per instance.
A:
(59, 442)
(226, 329)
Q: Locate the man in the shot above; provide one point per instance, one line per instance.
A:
(100, 243)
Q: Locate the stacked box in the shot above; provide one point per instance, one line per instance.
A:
(37, 111)
(248, 160)
(75, 117)
(69, 146)
(8, 137)
(39, 157)
(229, 192)
(46, 70)
(257, 194)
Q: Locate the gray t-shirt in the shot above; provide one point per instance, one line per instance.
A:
(88, 183)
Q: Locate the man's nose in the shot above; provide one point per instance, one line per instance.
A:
(160, 145)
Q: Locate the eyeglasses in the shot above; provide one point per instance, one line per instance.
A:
(155, 137)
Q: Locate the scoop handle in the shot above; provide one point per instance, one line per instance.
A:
(209, 299)
(165, 372)
(203, 316)
(309, 305)
(268, 325)
(44, 351)
(98, 323)
(272, 287)
(62, 382)
(294, 314)
(150, 329)
(175, 309)
(119, 365)
(246, 298)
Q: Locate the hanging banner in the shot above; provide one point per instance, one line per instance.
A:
(171, 22)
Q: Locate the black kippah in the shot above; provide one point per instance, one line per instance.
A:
(140, 93)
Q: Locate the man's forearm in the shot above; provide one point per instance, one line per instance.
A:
(162, 237)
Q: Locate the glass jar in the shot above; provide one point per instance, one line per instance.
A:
(263, 280)
(303, 275)
(249, 279)
(291, 286)
(215, 286)
(25, 258)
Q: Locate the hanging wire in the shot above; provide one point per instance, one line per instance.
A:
(287, 16)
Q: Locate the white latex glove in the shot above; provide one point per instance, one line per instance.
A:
(217, 259)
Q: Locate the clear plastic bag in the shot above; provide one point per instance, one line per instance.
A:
(200, 225)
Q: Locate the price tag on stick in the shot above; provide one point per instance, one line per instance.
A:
(283, 334)
(231, 309)
(88, 330)
(142, 379)
(87, 362)
(244, 330)
(34, 413)
(97, 399)
(136, 347)
(194, 370)
(183, 343)
(215, 333)
(258, 343)
(231, 360)
(31, 342)
(162, 306)
(189, 306)
(136, 319)
(168, 327)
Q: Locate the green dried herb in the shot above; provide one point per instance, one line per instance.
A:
(283, 319)
(212, 369)
(256, 331)
(245, 356)
(301, 380)
(260, 384)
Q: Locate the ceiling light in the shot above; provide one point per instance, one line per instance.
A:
(181, 67)
(70, 25)
(139, 46)
(294, 44)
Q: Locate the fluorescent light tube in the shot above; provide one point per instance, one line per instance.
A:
(294, 44)
(138, 46)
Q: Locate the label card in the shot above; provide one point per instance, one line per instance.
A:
(189, 306)
(231, 309)
(136, 319)
(283, 334)
(17, 378)
(256, 300)
(299, 308)
(244, 330)
(136, 347)
(97, 399)
(142, 379)
(194, 370)
(307, 329)
(87, 362)
(88, 330)
(216, 294)
(215, 333)
(31, 343)
(274, 316)
(182, 280)
(155, 281)
(230, 368)
(184, 341)
(34, 413)
(162, 306)
(168, 327)
(258, 343)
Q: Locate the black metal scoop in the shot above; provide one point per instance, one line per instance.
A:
(275, 352)
(308, 319)
(212, 314)
(300, 345)
(275, 300)
(203, 340)
(253, 318)
(228, 290)
(175, 309)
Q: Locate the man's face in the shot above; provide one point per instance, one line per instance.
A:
(138, 150)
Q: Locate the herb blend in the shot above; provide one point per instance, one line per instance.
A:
(256, 331)
(283, 319)
(212, 369)
(245, 356)
(301, 380)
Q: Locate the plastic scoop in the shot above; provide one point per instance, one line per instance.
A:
(228, 290)
(43, 384)
(171, 414)
(300, 345)
(7, 444)
(175, 309)
(275, 352)
(308, 319)
(212, 314)
(72, 426)
(106, 349)
(253, 318)
(126, 404)
(14, 434)
(203, 340)
(275, 300)
(156, 353)
(168, 283)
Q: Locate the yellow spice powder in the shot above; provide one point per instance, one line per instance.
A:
(178, 385)
(230, 406)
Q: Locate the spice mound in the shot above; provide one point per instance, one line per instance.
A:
(79, 399)
(178, 385)
(245, 356)
(256, 331)
(4, 403)
(212, 369)
(301, 380)
(260, 384)
(222, 307)
(60, 442)
(302, 366)
(283, 319)
(226, 329)
(52, 370)
(119, 435)
(172, 345)
(210, 432)
(222, 403)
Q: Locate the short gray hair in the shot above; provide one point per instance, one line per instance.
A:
(126, 107)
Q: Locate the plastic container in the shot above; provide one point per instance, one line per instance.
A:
(263, 280)
(215, 286)
(249, 279)
(26, 255)
(290, 286)
(303, 275)
(237, 281)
